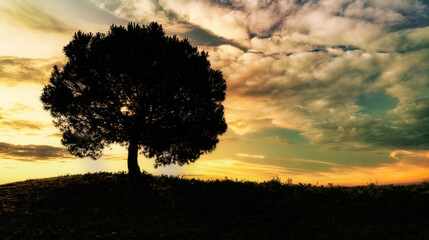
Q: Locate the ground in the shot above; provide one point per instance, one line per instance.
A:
(106, 206)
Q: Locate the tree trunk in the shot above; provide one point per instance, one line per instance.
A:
(133, 166)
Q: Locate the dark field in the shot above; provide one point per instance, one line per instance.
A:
(104, 206)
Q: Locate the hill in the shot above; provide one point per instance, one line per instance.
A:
(104, 206)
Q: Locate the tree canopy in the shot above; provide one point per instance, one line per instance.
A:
(140, 88)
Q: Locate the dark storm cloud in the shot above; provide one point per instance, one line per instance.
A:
(30, 153)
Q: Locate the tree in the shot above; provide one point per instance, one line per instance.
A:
(139, 88)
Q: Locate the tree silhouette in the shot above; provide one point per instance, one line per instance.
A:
(139, 88)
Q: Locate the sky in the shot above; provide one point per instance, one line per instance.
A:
(328, 91)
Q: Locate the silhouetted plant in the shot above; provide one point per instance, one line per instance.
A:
(137, 87)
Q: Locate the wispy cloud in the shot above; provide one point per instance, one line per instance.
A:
(419, 158)
(19, 107)
(7, 120)
(19, 124)
(30, 14)
(31, 153)
(279, 140)
(14, 70)
(229, 139)
(246, 155)
(316, 162)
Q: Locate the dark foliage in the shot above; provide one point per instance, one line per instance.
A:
(104, 206)
(137, 87)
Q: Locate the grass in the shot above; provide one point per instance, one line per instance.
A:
(104, 206)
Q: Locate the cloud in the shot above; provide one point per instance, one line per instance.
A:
(420, 158)
(15, 70)
(147, 11)
(245, 155)
(276, 25)
(301, 65)
(200, 36)
(292, 22)
(229, 139)
(19, 107)
(32, 152)
(304, 65)
(279, 140)
(353, 148)
(393, 14)
(56, 135)
(7, 122)
(142, 11)
(316, 161)
(317, 92)
(32, 15)
(21, 124)
(405, 127)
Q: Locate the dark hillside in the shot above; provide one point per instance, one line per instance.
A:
(103, 206)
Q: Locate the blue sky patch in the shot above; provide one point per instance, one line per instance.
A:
(376, 102)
